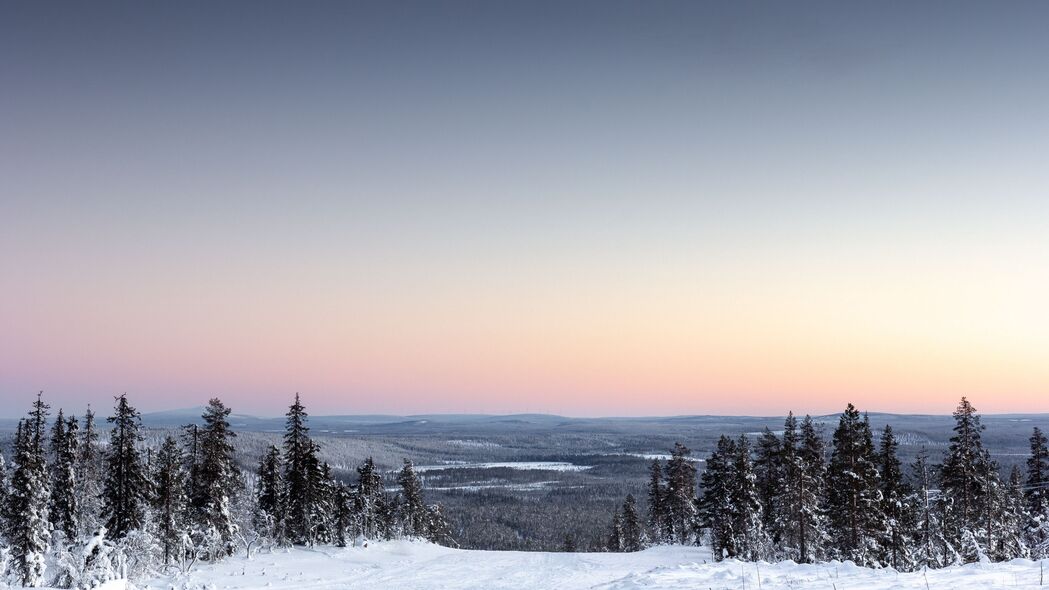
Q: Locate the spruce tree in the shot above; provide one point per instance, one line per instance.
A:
(88, 489)
(800, 520)
(370, 501)
(219, 479)
(65, 446)
(717, 514)
(615, 535)
(1037, 496)
(388, 507)
(812, 488)
(768, 471)
(125, 492)
(633, 532)
(658, 519)
(29, 527)
(437, 528)
(1010, 518)
(413, 509)
(300, 462)
(323, 506)
(170, 502)
(899, 521)
(270, 490)
(5, 496)
(788, 502)
(931, 547)
(344, 525)
(966, 477)
(191, 442)
(681, 494)
(751, 542)
(853, 498)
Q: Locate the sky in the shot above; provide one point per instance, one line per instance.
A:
(581, 208)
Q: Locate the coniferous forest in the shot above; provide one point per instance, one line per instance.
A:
(78, 510)
(83, 502)
(793, 496)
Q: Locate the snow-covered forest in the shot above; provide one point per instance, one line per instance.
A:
(789, 496)
(84, 503)
(78, 511)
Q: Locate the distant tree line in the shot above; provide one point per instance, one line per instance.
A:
(74, 512)
(783, 497)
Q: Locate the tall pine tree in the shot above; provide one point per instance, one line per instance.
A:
(65, 445)
(899, 519)
(658, 517)
(853, 497)
(300, 464)
(931, 547)
(29, 527)
(966, 478)
(413, 509)
(88, 487)
(614, 543)
(170, 502)
(370, 501)
(219, 479)
(1036, 495)
(681, 494)
(717, 514)
(768, 471)
(271, 495)
(751, 542)
(125, 492)
(633, 531)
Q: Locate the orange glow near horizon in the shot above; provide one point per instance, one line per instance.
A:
(753, 338)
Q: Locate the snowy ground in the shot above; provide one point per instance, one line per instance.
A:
(518, 465)
(405, 565)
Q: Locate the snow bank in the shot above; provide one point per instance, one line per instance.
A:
(518, 465)
(405, 565)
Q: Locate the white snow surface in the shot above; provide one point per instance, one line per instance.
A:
(518, 465)
(406, 565)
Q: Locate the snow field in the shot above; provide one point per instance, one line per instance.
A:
(406, 565)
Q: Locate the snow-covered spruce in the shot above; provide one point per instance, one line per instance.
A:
(83, 518)
(784, 499)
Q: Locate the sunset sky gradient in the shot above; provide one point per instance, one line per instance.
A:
(584, 208)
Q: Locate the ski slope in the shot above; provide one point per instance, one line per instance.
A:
(404, 565)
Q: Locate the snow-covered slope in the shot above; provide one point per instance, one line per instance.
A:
(405, 565)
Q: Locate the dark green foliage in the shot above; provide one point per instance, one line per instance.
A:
(28, 525)
(413, 509)
(716, 513)
(370, 502)
(271, 496)
(218, 478)
(632, 531)
(680, 496)
(768, 473)
(300, 464)
(968, 477)
(615, 535)
(658, 515)
(89, 477)
(126, 489)
(896, 543)
(853, 495)
(169, 500)
(65, 446)
(1037, 492)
